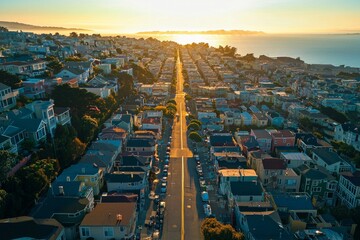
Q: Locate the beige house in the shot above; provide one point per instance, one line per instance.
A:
(110, 221)
(274, 174)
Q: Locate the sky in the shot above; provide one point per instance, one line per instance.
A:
(131, 16)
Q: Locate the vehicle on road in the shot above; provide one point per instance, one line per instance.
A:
(164, 179)
(163, 189)
(205, 196)
(207, 210)
(155, 235)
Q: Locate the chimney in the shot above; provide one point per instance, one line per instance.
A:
(118, 218)
(61, 190)
(68, 179)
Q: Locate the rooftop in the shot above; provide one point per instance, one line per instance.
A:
(106, 214)
(246, 188)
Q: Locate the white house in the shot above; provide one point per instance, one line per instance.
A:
(330, 160)
(348, 191)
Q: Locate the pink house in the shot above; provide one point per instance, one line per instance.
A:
(282, 138)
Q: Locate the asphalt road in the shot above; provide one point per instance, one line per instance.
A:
(183, 204)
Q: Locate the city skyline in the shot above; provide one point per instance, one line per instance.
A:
(110, 16)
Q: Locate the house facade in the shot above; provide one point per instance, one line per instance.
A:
(7, 97)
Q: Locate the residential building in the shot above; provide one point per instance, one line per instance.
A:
(297, 209)
(318, 183)
(44, 110)
(30, 68)
(348, 191)
(295, 159)
(330, 160)
(140, 145)
(25, 227)
(7, 97)
(262, 225)
(69, 211)
(246, 119)
(83, 172)
(282, 138)
(110, 221)
(249, 191)
(62, 115)
(274, 175)
(264, 139)
(34, 88)
(259, 119)
(226, 176)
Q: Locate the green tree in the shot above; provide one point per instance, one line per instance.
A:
(7, 162)
(195, 136)
(87, 128)
(3, 202)
(54, 64)
(28, 145)
(196, 121)
(11, 80)
(119, 51)
(334, 114)
(171, 101)
(193, 126)
(3, 29)
(214, 230)
(73, 35)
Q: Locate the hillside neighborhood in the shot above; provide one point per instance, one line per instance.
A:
(87, 139)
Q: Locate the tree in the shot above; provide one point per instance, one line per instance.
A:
(193, 126)
(87, 128)
(196, 121)
(73, 35)
(28, 145)
(214, 230)
(3, 29)
(7, 162)
(54, 64)
(11, 80)
(3, 202)
(119, 51)
(195, 136)
(171, 101)
(333, 114)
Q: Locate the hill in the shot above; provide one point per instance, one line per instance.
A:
(15, 26)
(215, 32)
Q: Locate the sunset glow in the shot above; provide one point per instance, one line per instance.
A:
(128, 16)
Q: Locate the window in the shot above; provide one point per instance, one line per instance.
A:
(279, 181)
(251, 198)
(85, 232)
(108, 232)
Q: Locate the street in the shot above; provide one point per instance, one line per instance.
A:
(183, 203)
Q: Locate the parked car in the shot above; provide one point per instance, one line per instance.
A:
(207, 210)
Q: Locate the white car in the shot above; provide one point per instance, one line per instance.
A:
(207, 210)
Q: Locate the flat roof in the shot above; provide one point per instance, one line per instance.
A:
(238, 172)
(105, 214)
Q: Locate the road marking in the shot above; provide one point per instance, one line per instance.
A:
(181, 129)
(182, 200)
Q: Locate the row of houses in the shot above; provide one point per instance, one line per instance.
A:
(281, 189)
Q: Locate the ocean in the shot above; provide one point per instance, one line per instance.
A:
(335, 49)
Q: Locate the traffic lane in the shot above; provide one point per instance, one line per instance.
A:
(172, 218)
(193, 204)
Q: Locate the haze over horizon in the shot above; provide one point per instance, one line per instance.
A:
(127, 16)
